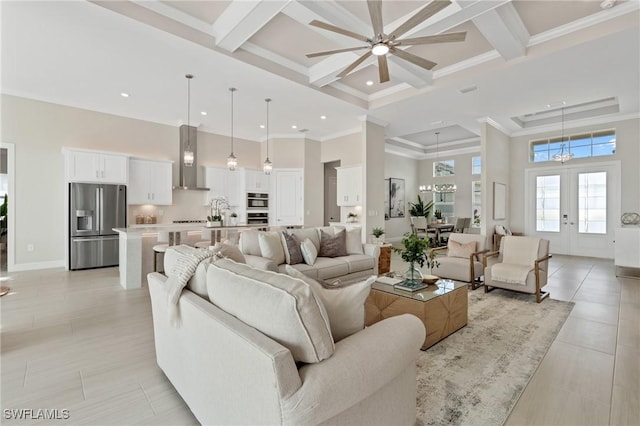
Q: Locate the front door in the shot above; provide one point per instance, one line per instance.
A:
(575, 207)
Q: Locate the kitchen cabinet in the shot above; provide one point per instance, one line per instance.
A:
(349, 186)
(225, 183)
(99, 167)
(287, 199)
(256, 181)
(150, 182)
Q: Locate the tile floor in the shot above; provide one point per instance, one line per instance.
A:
(77, 341)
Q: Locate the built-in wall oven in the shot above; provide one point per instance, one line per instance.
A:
(258, 218)
(257, 201)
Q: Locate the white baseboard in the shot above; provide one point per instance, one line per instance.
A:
(35, 266)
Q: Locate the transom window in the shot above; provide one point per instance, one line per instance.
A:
(584, 145)
(444, 168)
(445, 202)
(476, 165)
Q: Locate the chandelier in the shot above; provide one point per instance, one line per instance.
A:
(438, 187)
(562, 156)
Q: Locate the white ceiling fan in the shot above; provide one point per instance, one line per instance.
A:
(381, 44)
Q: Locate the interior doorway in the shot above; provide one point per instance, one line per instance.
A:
(575, 207)
(331, 209)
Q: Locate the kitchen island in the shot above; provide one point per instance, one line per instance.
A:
(133, 249)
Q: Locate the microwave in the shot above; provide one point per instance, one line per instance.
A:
(257, 201)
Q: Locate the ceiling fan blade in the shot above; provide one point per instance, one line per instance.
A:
(421, 62)
(330, 52)
(353, 66)
(338, 30)
(440, 38)
(375, 11)
(383, 68)
(425, 13)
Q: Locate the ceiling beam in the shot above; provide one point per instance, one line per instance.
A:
(242, 19)
(504, 29)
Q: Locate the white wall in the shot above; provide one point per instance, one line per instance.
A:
(347, 149)
(496, 166)
(627, 152)
(313, 184)
(39, 130)
(407, 169)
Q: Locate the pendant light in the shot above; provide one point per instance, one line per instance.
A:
(444, 187)
(188, 153)
(562, 156)
(267, 166)
(232, 161)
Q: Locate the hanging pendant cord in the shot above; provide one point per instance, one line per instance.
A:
(232, 90)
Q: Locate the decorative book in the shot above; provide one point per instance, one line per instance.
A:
(411, 285)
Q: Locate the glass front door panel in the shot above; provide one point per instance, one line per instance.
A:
(548, 203)
(592, 203)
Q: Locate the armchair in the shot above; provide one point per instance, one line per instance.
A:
(521, 265)
(460, 260)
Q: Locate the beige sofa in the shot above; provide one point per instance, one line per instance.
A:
(361, 262)
(227, 368)
(467, 266)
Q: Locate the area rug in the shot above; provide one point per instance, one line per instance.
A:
(476, 375)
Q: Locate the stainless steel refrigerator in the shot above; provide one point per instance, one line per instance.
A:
(94, 210)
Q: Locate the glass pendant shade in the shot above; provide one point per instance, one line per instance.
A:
(232, 161)
(267, 166)
(188, 158)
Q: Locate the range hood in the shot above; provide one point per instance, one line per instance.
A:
(189, 175)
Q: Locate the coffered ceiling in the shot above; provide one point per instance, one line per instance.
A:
(518, 57)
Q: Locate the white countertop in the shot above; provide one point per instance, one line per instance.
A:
(177, 227)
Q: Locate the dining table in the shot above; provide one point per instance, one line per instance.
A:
(439, 228)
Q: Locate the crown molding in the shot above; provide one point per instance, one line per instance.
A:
(372, 119)
(576, 123)
(340, 134)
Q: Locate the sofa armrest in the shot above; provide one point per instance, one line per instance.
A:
(362, 364)
(261, 263)
(372, 250)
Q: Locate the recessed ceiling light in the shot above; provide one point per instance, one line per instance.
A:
(203, 112)
(369, 83)
(556, 104)
(323, 117)
(294, 127)
(262, 126)
(437, 123)
(124, 95)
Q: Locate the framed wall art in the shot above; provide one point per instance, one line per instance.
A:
(396, 197)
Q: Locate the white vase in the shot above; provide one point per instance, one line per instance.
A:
(211, 224)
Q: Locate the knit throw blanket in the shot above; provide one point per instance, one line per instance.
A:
(188, 260)
(518, 257)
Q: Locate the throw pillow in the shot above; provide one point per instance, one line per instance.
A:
(248, 243)
(277, 305)
(311, 233)
(292, 252)
(228, 251)
(354, 241)
(271, 246)
(309, 252)
(344, 305)
(333, 246)
(456, 249)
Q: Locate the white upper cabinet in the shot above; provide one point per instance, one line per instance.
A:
(224, 183)
(150, 182)
(256, 181)
(88, 166)
(349, 186)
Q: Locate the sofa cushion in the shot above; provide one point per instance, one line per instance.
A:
(271, 246)
(281, 307)
(344, 305)
(198, 282)
(358, 262)
(308, 270)
(309, 251)
(329, 267)
(456, 249)
(354, 241)
(228, 251)
(333, 245)
(292, 251)
(249, 244)
(310, 233)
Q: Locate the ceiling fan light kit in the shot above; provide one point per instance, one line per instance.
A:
(382, 44)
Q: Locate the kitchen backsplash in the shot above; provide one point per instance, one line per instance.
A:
(187, 205)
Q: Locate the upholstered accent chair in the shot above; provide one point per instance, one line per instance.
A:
(420, 228)
(521, 264)
(462, 258)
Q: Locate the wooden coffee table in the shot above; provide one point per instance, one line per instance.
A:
(442, 310)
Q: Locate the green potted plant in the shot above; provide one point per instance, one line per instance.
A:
(416, 252)
(377, 235)
(438, 215)
(420, 208)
